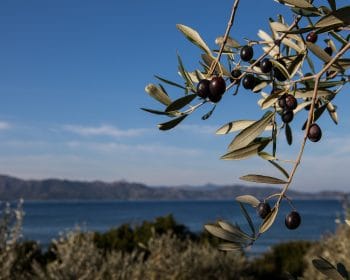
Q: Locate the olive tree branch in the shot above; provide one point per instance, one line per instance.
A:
(228, 29)
(310, 119)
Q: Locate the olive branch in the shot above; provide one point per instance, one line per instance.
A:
(280, 66)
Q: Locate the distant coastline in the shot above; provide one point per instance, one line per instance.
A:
(12, 188)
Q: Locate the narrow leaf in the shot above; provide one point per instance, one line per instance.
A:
(156, 112)
(181, 102)
(231, 43)
(243, 153)
(281, 68)
(318, 113)
(305, 93)
(248, 218)
(194, 37)
(298, 3)
(171, 124)
(266, 156)
(280, 168)
(234, 230)
(249, 199)
(327, 268)
(236, 125)
(262, 179)
(221, 233)
(332, 112)
(169, 82)
(158, 94)
(208, 115)
(340, 17)
(248, 134)
(229, 247)
(289, 135)
(269, 220)
(208, 60)
(332, 4)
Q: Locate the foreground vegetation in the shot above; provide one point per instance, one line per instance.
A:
(161, 249)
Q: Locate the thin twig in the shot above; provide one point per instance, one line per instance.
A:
(228, 29)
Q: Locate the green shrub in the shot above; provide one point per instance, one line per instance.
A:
(282, 259)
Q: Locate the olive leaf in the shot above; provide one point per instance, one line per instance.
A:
(332, 112)
(332, 4)
(208, 115)
(302, 4)
(181, 102)
(236, 125)
(262, 179)
(171, 124)
(194, 37)
(183, 72)
(266, 156)
(169, 82)
(230, 247)
(219, 232)
(248, 134)
(209, 60)
(281, 68)
(234, 230)
(292, 45)
(296, 64)
(326, 268)
(289, 135)
(251, 150)
(158, 94)
(269, 220)
(156, 112)
(249, 199)
(321, 54)
(280, 168)
(338, 18)
(305, 93)
(231, 43)
(248, 218)
(318, 113)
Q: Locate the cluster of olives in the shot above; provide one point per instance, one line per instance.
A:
(292, 220)
(213, 89)
(288, 103)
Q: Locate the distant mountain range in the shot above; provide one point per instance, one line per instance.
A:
(12, 188)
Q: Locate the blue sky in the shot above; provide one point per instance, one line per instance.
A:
(72, 78)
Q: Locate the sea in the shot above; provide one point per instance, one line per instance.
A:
(46, 220)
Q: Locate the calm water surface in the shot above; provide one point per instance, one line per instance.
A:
(45, 219)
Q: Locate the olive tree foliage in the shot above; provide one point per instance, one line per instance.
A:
(303, 65)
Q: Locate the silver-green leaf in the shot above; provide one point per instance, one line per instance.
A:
(269, 220)
(249, 199)
(262, 179)
(247, 135)
(158, 94)
(194, 37)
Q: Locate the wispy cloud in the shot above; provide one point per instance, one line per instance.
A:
(104, 130)
(112, 147)
(4, 125)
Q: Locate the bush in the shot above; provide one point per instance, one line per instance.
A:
(283, 259)
(335, 248)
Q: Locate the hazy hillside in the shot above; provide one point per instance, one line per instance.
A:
(13, 188)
